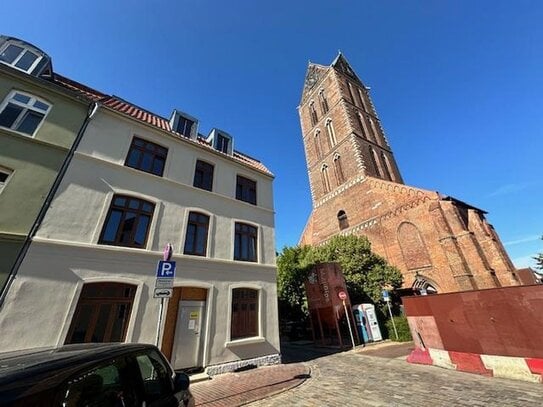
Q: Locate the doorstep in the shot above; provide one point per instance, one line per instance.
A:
(198, 377)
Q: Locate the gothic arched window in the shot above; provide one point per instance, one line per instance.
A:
(362, 100)
(325, 178)
(342, 220)
(313, 113)
(353, 99)
(374, 129)
(318, 149)
(375, 162)
(362, 125)
(414, 250)
(331, 133)
(371, 129)
(324, 102)
(338, 170)
(388, 170)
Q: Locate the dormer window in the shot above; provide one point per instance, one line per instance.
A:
(19, 57)
(221, 141)
(25, 57)
(184, 124)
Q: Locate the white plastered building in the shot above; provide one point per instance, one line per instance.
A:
(136, 183)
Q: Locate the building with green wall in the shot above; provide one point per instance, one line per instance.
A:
(40, 117)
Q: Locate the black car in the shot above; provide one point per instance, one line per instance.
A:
(105, 375)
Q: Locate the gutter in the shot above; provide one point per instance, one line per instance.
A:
(91, 112)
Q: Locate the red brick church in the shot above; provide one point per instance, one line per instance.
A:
(439, 243)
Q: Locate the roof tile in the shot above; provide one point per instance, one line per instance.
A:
(138, 113)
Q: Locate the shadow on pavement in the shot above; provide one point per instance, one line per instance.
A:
(303, 351)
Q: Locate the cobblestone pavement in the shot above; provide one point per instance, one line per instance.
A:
(355, 379)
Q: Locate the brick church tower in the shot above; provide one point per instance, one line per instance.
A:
(438, 242)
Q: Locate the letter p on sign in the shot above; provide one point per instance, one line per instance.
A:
(165, 269)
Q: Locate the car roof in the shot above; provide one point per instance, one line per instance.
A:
(49, 367)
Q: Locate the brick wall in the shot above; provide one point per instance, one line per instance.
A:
(441, 240)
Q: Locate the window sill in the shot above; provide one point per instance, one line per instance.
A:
(245, 341)
(20, 133)
(246, 261)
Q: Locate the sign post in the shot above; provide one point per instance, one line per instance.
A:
(386, 297)
(165, 273)
(343, 296)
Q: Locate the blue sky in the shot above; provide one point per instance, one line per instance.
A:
(457, 85)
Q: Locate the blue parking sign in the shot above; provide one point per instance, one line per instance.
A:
(165, 269)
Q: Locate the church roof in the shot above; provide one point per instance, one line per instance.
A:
(452, 199)
(342, 65)
(316, 72)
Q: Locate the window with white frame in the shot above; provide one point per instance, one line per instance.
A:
(245, 242)
(4, 177)
(23, 112)
(19, 57)
(196, 237)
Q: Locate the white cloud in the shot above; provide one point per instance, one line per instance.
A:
(526, 239)
(510, 188)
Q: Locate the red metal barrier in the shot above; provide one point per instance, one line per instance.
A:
(499, 321)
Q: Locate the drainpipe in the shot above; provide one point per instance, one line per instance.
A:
(91, 112)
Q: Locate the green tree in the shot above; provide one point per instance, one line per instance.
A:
(366, 273)
(539, 259)
(291, 273)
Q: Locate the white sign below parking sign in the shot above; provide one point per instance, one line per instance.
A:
(163, 293)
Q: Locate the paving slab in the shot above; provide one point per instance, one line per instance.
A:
(238, 389)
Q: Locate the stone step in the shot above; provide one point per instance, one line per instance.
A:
(199, 377)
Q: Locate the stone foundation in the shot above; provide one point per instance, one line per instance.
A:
(231, 366)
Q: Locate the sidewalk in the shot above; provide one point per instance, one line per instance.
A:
(237, 389)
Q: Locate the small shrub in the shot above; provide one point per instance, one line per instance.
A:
(404, 334)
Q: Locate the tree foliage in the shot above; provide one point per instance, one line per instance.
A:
(292, 270)
(539, 259)
(366, 273)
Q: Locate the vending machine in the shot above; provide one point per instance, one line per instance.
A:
(361, 323)
(371, 317)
